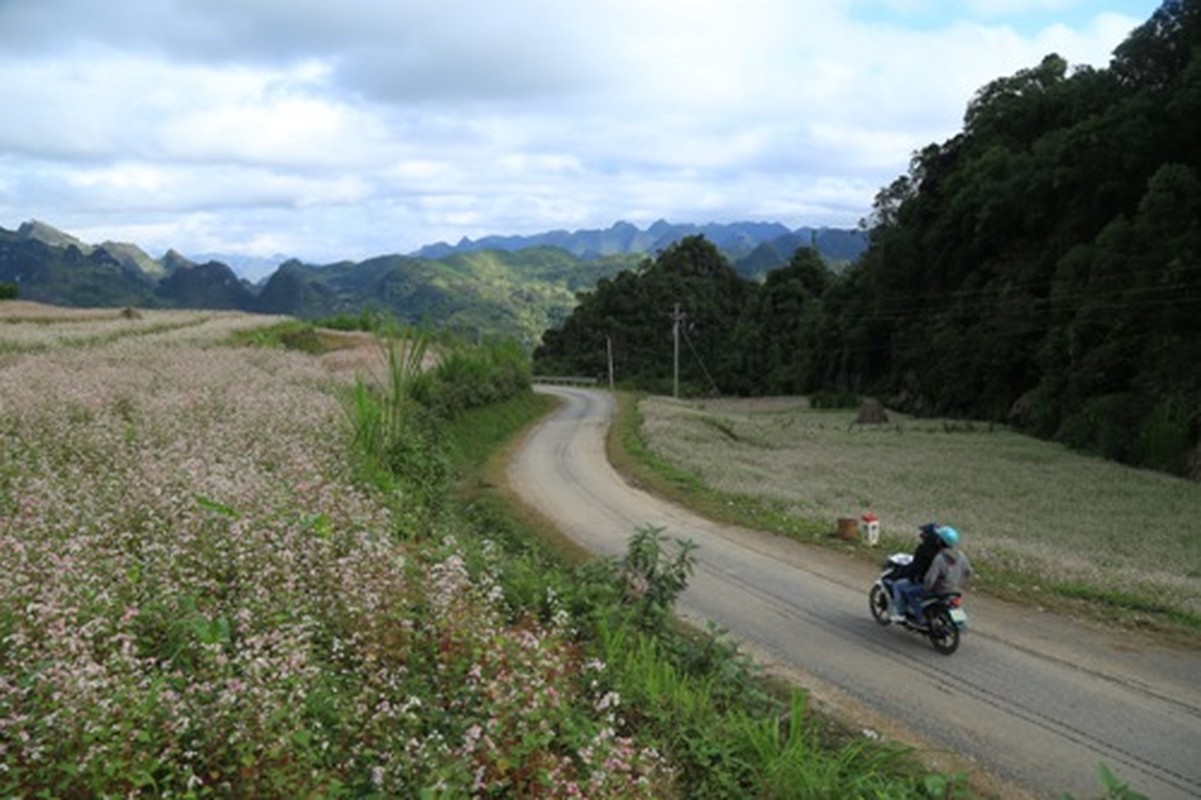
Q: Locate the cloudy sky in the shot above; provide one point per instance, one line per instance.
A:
(329, 129)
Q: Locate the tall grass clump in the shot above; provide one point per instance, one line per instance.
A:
(393, 433)
(399, 417)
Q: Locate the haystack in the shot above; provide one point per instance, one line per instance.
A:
(871, 412)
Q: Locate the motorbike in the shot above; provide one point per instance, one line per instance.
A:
(942, 618)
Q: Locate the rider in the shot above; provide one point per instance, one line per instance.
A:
(914, 574)
(946, 574)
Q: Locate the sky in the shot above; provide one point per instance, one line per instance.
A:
(346, 129)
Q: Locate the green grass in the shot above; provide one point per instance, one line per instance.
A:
(288, 335)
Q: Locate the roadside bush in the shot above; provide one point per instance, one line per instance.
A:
(1106, 425)
(290, 335)
(1163, 437)
(399, 420)
(1036, 412)
(471, 377)
(653, 577)
(366, 320)
(8, 291)
(834, 400)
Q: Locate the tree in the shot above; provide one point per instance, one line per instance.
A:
(1018, 108)
(633, 313)
(1040, 266)
(779, 329)
(1160, 49)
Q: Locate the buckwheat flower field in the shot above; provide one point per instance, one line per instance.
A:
(196, 599)
(1023, 505)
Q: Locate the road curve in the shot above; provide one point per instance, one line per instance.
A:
(1036, 700)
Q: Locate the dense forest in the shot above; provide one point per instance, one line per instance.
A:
(1039, 268)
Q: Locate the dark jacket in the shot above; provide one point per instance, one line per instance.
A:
(923, 557)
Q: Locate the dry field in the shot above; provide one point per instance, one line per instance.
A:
(27, 327)
(1022, 505)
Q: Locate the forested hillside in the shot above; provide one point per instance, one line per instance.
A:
(1040, 267)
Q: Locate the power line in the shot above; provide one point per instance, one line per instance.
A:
(701, 364)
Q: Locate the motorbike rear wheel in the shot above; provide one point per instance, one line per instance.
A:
(944, 633)
(879, 603)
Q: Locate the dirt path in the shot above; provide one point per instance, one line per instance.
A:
(1034, 700)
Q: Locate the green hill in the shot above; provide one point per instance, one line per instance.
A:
(481, 294)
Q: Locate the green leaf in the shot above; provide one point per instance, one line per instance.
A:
(319, 525)
(215, 507)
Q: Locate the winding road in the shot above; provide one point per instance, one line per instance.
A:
(1031, 700)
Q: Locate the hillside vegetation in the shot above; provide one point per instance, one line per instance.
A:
(1040, 268)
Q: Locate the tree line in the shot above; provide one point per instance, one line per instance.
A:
(1039, 268)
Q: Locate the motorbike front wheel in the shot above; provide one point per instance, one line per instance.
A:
(879, 603)
(944, 633)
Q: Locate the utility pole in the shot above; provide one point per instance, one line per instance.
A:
(609, 353)
(677, 316)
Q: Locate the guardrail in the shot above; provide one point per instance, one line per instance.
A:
(564, 380)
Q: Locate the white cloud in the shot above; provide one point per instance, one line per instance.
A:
(380, 125)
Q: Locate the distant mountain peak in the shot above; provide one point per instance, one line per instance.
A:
(48, 234)
(736, 240)
(174, 260)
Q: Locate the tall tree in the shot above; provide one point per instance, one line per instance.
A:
(633, 314)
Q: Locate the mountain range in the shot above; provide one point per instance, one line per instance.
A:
(737, 240)
(496, 286)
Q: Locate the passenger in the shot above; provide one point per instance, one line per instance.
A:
(951, 568)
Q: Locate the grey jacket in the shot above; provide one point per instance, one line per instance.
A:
(949, 571)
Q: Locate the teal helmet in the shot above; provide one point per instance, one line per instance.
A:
(949, 536)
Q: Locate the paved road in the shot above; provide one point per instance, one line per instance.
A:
(1034, 700)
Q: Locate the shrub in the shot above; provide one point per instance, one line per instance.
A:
(1163, 437)
(471, 377)
(1106, 425)
(1036, 412)
(834, 400)
(365, 320)
(289, 335)
(655, 578)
